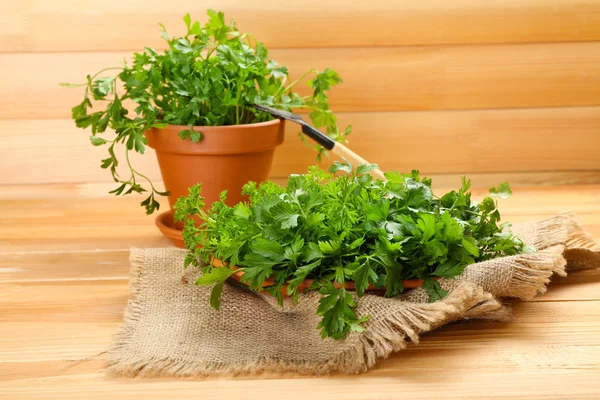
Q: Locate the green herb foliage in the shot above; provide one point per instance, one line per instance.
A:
(209, 77)
(344, 228)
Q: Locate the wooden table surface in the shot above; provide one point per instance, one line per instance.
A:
(63, 287)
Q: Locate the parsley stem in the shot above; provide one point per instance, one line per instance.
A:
(134, 172)
(291, 85)
(130, 167)
(93, 77)
(104, 70)
(306, 106)
(453, 205)
(471, 212)
(340, 272)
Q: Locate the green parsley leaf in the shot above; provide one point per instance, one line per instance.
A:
(452, 231)
(97, 141)
(428, 225)
(214, 275)
(449, 269)
(339, 166)
(470, 245)
(364, 274)
(434, 290)
(502, 191)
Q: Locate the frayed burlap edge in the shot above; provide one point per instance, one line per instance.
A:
(531, 274)
(381, 339)
(393, 333)
(131, 317)
(558, 240)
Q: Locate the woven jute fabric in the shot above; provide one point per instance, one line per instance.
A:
(169, 328)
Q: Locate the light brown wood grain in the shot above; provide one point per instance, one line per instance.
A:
(62, 25)
(521, 180)
(81, 221)
(549, 381)
(563, 346)
(62, 296)
(490, 359)
(74, 266)
(501, 90)
(434, 142)
(375, 79)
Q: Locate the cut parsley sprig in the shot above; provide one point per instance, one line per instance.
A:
(344, 228)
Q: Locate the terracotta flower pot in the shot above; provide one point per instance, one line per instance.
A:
(225, 159)
(302, 287)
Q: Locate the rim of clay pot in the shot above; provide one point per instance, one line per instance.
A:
(222, 139)
(220, 127)
(302, 287)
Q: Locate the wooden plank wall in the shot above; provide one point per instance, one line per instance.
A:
(485, 88)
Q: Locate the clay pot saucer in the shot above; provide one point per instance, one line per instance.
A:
(166, 225)
(237, 276)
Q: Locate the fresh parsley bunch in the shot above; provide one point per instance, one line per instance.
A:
(345, 228)
(209, 77)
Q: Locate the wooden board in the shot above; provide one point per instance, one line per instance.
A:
(38, 25)
(548, 379)
(87, 220)
(375, 79)
(61, 302)
(436, 142)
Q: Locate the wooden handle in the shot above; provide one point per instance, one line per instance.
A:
(355, 159)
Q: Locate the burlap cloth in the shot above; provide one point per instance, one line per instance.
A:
(169, 328)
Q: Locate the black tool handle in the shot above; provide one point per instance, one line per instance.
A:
(318, 136)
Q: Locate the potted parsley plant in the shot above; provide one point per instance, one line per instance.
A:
(193, 103)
